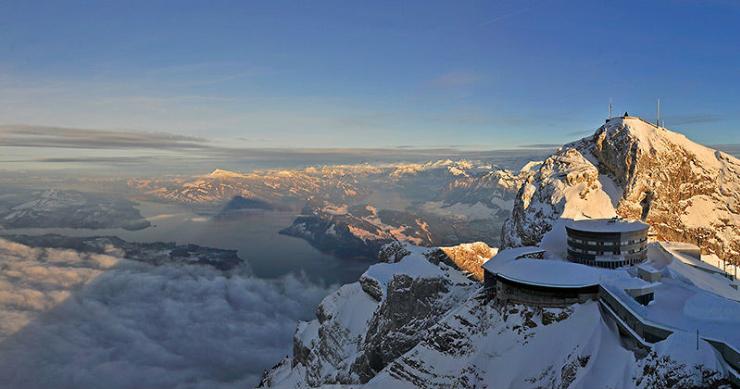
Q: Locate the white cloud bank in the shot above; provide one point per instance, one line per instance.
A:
(77, 320)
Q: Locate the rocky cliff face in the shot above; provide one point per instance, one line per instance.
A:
(420, 322)
(630, 168)
(364, 326)
(466, 257)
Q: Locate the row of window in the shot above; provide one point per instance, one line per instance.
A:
(606, 264)
(606, 243)
(612, 265)
(592, 252)
(614, 252)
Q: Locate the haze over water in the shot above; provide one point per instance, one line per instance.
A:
(253, 233)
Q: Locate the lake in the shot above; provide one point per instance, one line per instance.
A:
(254, 234)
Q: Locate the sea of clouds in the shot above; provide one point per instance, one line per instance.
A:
(80, 320)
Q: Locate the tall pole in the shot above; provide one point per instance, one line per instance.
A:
(610, 108)
(657, 121)
(697, 338)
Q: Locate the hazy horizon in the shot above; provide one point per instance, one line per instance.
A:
(91, 151)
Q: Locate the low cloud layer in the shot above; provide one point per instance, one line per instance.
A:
(541, 146)
(75, 320)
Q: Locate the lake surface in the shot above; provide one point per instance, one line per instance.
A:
(254, 234)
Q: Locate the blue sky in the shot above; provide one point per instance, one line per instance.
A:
(483, 75)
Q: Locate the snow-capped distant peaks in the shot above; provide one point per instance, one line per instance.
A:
(221, 173)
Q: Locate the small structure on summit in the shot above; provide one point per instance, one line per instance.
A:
(607, 243)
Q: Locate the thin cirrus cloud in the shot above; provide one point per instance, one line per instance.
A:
(693, 118)
(541, 146)
(105, 160)
(65, 137)
(78, 138)
(47, 147)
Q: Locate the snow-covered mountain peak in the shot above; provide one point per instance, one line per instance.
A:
(221, 173)
(634, 169)
(653, 139)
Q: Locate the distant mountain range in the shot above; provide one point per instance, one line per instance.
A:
(353, 210)
(336, 183)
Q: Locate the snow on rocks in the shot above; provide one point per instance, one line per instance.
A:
(629, 167)
(364, 325)
(420, 323)
(513, 346)
(414, 265)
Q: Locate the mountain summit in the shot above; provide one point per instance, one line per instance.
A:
(221, 173)
(634, 169)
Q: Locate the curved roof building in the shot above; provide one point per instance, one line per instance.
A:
(607, 243)
(522, 275)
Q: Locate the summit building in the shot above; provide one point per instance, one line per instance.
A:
(607, 243)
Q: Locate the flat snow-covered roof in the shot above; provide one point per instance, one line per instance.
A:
(555, 274)
(509, 255)
(607, 225)
(549, 272)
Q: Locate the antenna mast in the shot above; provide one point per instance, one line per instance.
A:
(610, 109)
(657, 121)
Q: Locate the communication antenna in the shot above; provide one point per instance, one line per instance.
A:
(657, 121)
(610, 108)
